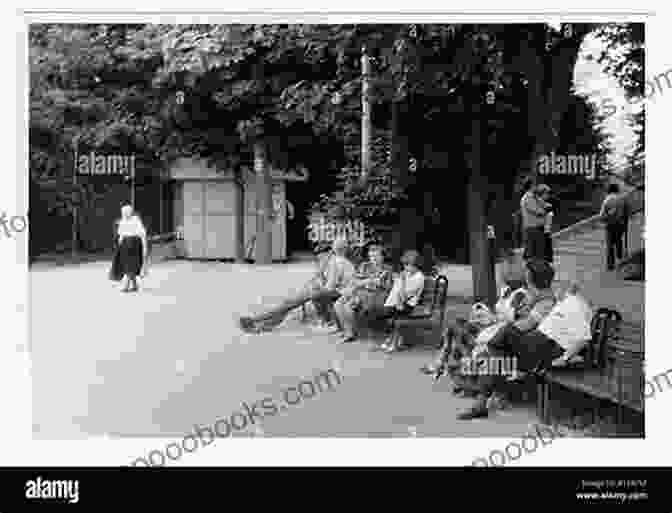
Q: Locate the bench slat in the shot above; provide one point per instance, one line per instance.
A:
(595, 383)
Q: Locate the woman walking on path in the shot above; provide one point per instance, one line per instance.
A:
(367, 293)
(132, 249)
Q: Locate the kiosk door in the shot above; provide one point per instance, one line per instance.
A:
(220, 216)
(194, 219)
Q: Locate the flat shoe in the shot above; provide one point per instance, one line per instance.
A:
(477, 412)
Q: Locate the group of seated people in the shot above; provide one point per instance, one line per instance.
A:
(347, 298)
(528, 333)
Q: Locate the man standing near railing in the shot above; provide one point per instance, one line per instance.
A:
(533, 210)
(615, 216)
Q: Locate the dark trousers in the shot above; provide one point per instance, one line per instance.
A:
(615, 236)
(532, 349)
(458, 343)
(535, 243)
(548, 248)
(388, 312)
(324, 301)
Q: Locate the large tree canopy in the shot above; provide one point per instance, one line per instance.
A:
(623, 58)
(236, 93)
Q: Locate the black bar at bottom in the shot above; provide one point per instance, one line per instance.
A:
(526, 488)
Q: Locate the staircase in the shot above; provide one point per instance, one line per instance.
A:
(580, 257)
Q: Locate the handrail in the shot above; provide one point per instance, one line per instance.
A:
(161, 237)
(595, 218)
(577, 226)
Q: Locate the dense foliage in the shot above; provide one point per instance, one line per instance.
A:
(161, 91)
(623, 58)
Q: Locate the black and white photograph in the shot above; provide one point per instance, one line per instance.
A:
(338, 231)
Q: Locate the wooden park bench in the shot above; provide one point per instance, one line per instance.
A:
(428, 315)
(611, 370)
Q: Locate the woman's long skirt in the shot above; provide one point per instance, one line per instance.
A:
(130, 256)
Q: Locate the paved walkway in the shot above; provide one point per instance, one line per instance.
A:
(156, 363)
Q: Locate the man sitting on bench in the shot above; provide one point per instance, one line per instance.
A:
(323, 289)
(538, 304)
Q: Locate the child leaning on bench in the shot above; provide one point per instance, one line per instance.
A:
(540, 302)
(464, 337)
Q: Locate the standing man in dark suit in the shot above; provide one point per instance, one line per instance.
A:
(615, 216)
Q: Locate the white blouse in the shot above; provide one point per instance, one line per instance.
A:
(411, 284)
(131, 227)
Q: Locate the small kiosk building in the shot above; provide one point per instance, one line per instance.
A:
(206, 206)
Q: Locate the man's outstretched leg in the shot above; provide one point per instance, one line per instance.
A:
(276, 314)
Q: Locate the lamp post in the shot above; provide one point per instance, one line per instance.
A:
(366, 114)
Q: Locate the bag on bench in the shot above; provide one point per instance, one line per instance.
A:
(569, 324)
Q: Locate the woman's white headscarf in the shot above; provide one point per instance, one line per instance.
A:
(130, 224)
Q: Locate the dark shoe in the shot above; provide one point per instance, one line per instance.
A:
(246, 324)
(478, 411)
(428, 369)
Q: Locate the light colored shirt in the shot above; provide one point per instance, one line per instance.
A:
(407, 289)
(568, 324)
(131, 227)
(339, 273)
(538, 305)
(533, 210)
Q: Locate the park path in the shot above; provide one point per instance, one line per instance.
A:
(156, 363)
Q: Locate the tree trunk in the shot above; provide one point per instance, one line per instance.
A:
(550, 81)
(483, 272)
(366, 116)
(264, 201)
(240, 216)
(407, 229)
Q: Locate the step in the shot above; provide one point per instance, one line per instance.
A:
(568, 250)
(587, 246)
(579, 242)
(589, 234)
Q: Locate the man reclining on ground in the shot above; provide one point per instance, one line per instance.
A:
(323, 290)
